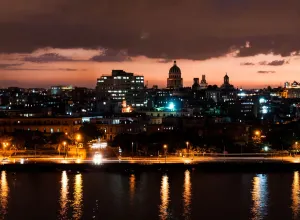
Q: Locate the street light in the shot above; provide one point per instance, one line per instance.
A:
(5, 144)
(78, 137)
(257, 133)
(187, 147)
(165, 148)
(65, 143)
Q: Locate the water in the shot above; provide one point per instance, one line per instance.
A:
(149, 195)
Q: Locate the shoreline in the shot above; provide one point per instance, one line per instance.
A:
(213, 167)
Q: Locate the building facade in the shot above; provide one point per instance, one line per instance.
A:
(113, 89)
(43, 124)
(203, 84)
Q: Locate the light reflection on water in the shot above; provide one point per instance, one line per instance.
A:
(4, 190)
(78, 197)
(173, 196)
(64, 196)
(259, 196)
(187, 194)
(131, 187)
(295, 195)
(164, 197)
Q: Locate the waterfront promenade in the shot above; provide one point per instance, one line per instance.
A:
(257, 164)
(232, 158)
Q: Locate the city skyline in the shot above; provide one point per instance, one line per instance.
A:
(75, 43)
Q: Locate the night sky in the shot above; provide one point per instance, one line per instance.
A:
(48, 42)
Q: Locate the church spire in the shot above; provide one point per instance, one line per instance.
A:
(226, 79)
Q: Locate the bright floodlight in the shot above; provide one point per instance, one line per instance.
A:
(262, 100)
(171, 106)
(264, 109)
(266, 148)
(97, 159)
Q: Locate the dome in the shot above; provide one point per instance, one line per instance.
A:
(175, 69)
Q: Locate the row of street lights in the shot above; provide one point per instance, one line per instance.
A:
(166, 149)
(77, 142)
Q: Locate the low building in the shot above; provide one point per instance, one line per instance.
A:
(45, 124)
(112, 126)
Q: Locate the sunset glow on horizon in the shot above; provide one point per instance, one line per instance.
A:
(246, 72)
(75, 42)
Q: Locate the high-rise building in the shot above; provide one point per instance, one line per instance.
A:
(196, 85)
(203, 84)
(174, 81)
(113, 89)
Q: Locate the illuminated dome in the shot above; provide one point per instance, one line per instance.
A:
(174, 81)
(175, 69)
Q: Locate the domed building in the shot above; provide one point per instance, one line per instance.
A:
(174, 81)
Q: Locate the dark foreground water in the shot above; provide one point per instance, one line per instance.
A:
(149, 195)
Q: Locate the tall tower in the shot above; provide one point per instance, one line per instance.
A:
(203, 84)
(174, 81)
(226, 80)
(196, 85)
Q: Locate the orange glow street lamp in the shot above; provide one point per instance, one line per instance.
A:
(65, 143)
(165, 148)
(5, 144)
(187, 147)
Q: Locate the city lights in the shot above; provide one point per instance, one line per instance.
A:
(262, 100)
(171, 106)
(100, 145)
(97, 158)
(257, 133)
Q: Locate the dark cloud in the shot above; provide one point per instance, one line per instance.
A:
(265, 72)
(19, 66)
(9, 65)
(164, 60)
(273, 63)
(70, 69)
(180, 29)
(47, 58)
(247, 64)
(112, 56)
(276, 63)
